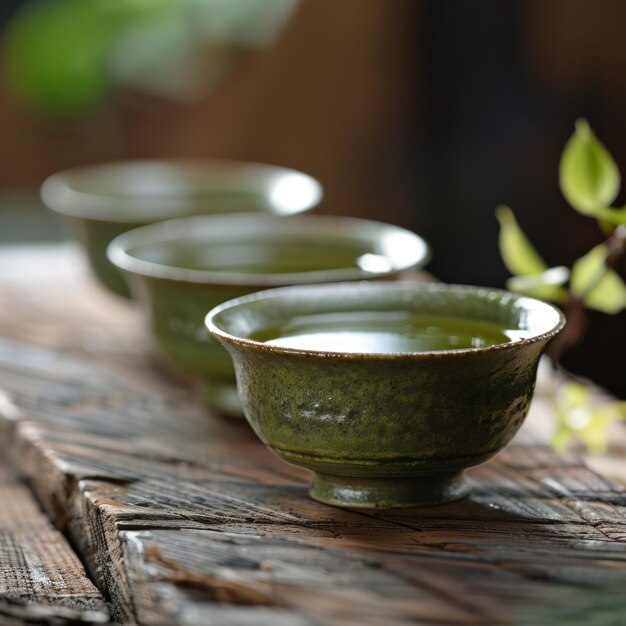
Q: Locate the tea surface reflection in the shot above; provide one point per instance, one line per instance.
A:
(383, 332)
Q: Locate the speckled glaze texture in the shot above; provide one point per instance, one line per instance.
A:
(385, 430)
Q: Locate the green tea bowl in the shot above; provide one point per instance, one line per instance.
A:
(100, 202)
(386, 391)
(180, 269)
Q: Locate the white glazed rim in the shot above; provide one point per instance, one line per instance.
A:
(150, 190)
(402, 248)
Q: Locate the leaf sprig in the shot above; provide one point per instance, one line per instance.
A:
(590, 181)
(579, 416)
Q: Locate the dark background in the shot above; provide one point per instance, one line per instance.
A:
(424, 113)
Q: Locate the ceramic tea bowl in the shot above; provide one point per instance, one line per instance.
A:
(382, 427)
(181, 269)
(100, 202)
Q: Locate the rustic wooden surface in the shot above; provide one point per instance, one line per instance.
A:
(185, 518)
(40, 576)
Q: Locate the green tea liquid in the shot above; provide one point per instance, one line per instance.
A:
(384, 332)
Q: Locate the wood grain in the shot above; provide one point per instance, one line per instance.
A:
(40, 576)
(185, 518)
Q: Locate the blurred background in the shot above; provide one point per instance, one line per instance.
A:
(422, 113)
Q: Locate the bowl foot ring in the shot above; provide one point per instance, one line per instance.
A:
(388, 493)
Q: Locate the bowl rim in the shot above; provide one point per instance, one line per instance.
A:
(60, 192)
(353, 228)
(485, 292)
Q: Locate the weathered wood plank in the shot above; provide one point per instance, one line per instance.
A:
(40, 576)
(142, 506)
(185, 518)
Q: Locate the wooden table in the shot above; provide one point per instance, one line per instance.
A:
(181, 517)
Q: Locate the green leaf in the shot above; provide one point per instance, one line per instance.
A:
(619, 408)
(596, 434)
(518, 254)
(56, 52)
(578, 417)
(589, 270)
(545, 286)
(572, 409)
(588, 175)
(601, 288)
(562, 438)
(573, 395)
(614, 217)
(613, 410)
(609, 295)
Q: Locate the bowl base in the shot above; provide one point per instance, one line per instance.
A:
(222, 397)
(388, 493)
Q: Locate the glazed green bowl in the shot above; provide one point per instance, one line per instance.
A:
(386, 391)
(100, 202)
(181, 269)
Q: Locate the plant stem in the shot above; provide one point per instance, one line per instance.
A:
(574, 331)
(616, 244)
(574, 309)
